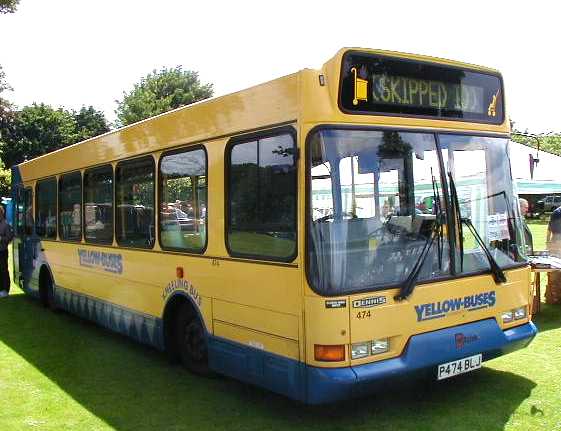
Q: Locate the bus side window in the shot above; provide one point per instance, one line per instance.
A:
(183, 200)
(46, 198)
(262, 198)
(24, 211)
(98, 205)
(70, 207)
(29, 220)
(134, 200)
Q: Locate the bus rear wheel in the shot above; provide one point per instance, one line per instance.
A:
(192, 342)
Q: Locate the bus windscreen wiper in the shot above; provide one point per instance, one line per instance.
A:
(496, 271)
(458, 218)
(436, 232)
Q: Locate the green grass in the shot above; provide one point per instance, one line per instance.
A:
(261, 244)
(539, 231)
(182, 240)
(538, 228)
(58, 372)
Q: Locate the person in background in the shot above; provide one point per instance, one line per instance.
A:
(527, 234)
(553, 241)
(523, 206)
(6, 236)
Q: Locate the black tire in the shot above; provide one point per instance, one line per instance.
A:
(47, 293)
(191, 342)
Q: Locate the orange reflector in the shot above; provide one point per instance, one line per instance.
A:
(179, 272)
(333, 353)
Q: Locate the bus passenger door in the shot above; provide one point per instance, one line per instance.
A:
(23, 243)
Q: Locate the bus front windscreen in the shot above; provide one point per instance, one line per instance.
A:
(377, 200)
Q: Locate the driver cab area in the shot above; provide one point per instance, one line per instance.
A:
(375, 198)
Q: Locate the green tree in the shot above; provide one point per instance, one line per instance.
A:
(550, 142)
(37, 130)
(6, 109)
(5, 106)
(5, 180)
(90, 123)
(4, 86)
(161, 91)
(8, 6)
(6, 116)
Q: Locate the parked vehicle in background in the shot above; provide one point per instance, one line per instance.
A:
(547, 204)
(174, 218)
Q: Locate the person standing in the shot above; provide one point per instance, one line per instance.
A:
(6, 236)
(553, 240)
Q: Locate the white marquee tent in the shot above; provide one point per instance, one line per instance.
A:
(547, 173)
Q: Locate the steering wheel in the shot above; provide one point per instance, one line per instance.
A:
(396, 230)
(387, 227)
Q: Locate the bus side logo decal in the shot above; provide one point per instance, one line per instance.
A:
(336, 303)
(369, 302)
(183, 286)
(110, 262)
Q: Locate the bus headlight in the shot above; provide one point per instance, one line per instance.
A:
(507, 316)
(359, 350)
(514, 314)
(380, 346)
(519, 313)
(374, 347)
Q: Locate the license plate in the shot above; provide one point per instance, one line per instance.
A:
(460, 366)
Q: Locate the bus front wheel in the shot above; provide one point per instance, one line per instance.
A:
(46, 290)
(192, 342)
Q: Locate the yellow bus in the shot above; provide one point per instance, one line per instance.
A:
(316, 235)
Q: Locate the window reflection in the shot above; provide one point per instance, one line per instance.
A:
(481, 171)
(134, 200)
(70, 207)
(183, 200)
(375, 198)
(262, 198)
(24, 211)
(46, 195)
(98, 205)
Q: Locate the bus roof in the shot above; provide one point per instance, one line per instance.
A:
(272, 103)
(415, 57)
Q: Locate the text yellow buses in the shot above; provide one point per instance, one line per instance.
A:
(314, 235)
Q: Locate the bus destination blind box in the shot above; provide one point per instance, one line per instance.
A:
(374, 84)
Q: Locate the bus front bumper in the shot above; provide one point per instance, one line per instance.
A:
(422, 355)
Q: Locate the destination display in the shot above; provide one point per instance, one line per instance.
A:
(372, 84)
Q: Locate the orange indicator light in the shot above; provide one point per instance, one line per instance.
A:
(179, 272)
(332, 353)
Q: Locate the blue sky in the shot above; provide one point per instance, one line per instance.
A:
(73, 53)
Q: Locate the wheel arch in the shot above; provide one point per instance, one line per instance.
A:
(45, 273)
(171, 308)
